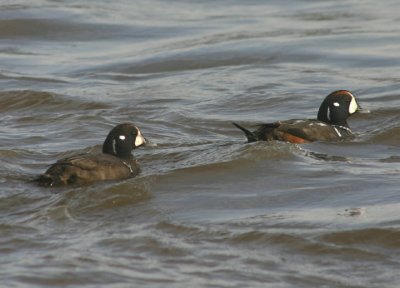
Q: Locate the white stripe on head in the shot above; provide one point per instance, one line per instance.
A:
(353, 107)
(114, 146)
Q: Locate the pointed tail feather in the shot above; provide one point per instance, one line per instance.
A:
(250, 135)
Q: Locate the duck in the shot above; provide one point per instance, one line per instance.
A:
(330, 125)
(116, 161)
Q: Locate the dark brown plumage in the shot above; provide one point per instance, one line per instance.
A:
(330, 125)
(116, 161)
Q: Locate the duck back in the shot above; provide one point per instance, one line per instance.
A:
(84, 169)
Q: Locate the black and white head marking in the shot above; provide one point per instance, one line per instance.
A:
(140, 140)
(328, 113)
(337, 107)
(122, 139)
(114, 146)
(353, 107)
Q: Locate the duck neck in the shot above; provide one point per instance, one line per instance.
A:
(328, 118)
(111, 148)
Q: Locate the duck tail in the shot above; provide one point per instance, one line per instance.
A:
(251, 137)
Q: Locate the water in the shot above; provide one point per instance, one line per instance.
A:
(207, 210)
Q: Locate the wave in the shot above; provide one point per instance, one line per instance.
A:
(26, 100)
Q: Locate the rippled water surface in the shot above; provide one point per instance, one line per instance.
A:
(207, 210)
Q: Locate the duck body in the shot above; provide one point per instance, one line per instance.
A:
(297, 131)
(116, 162)
(330, 125)
(87, 168)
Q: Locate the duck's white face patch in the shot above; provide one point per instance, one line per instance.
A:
(353, 107)
(122, 137)
(336, 104)
(139, 139)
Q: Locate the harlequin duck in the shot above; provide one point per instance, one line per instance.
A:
(116, 161)
(330, 124)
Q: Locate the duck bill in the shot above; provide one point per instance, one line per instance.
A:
(150, 143)
(362, 110)
(359, 108)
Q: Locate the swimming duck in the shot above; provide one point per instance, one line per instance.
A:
(330, 125)
(116, 161)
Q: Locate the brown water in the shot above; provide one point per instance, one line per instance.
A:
(207, 210)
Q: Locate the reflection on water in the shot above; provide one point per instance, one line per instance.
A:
(208, 210)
